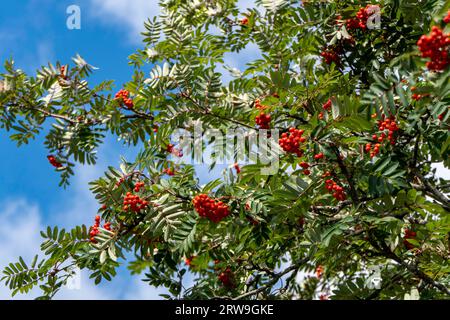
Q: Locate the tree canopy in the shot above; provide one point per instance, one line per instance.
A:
(353, 99)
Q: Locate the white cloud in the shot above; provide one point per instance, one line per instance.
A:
(130, 13)
(140, 290)
(19, 235)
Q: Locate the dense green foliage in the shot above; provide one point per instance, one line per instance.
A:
(282, 225)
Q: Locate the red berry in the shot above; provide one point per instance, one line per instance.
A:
(327, 105)
(290, 142)
(263, 120)
(447, 17)
(318, 156)
(210, 208)
(435, 46)
(134, 203)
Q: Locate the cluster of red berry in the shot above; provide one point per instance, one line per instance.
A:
(337, 191)
(124, 97)
(417, 97)
(138, 186)
(209, 208)
(330, 55)
(169, 171)
(263, 120)
(390, 125)
(244, 21)
(320, 116)
(259, 106)
(176, 152)
(94, 229)
(447, 17)
(360, 21)
(387, 124)
(134, 203)
(327, 105)
(237, 168)
(409, 234)
(290, 142)
(54, 162)
(227, 278)
(375, 151)
(436, 47)
(305, 167)
(319, 156)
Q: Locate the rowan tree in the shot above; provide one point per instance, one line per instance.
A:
(359, 94)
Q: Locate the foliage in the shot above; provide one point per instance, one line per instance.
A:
(282, 225)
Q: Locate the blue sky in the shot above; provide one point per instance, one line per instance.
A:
(34, 33)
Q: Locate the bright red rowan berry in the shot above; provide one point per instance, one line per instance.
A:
(169, 171)
(55, 163)
(327, 105)
(134, 203)
(304, 165)
(435, 46)
(210, 208)
(290, 141)
(263, 120)
(319, 156)
(447, 17)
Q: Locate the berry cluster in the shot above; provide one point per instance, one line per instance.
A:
(305, 167)
(169, 171)
(237, 168)
(330, 55)
(375, 151)
(391, 126)
(123, 96)
(209, 208)
(319, 156)
(435, 46)
(227, 278)
(447, 17)
(94, 229)
(409, 234)
(244, 21)
(171, 149)
(327, 105)
(138, 186)
(335, 189)
(388, 124)
(54, 162)
(134, 203)
(258, 105)
(291, 142)
(263, 120)
(360, 21)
